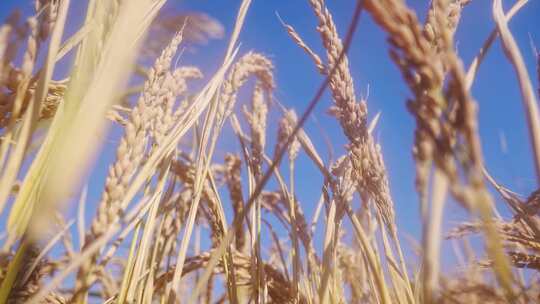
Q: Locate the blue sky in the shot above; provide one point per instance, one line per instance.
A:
(501, 114)
(496, 89)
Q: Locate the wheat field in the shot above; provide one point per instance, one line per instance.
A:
(180, 218)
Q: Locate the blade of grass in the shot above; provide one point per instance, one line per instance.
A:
(513, 53)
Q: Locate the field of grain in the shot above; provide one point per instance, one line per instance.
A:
(181, 218)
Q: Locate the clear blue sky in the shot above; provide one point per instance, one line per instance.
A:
(501, 114)
(496, 89)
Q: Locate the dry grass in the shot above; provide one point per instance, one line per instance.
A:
(161, 232)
